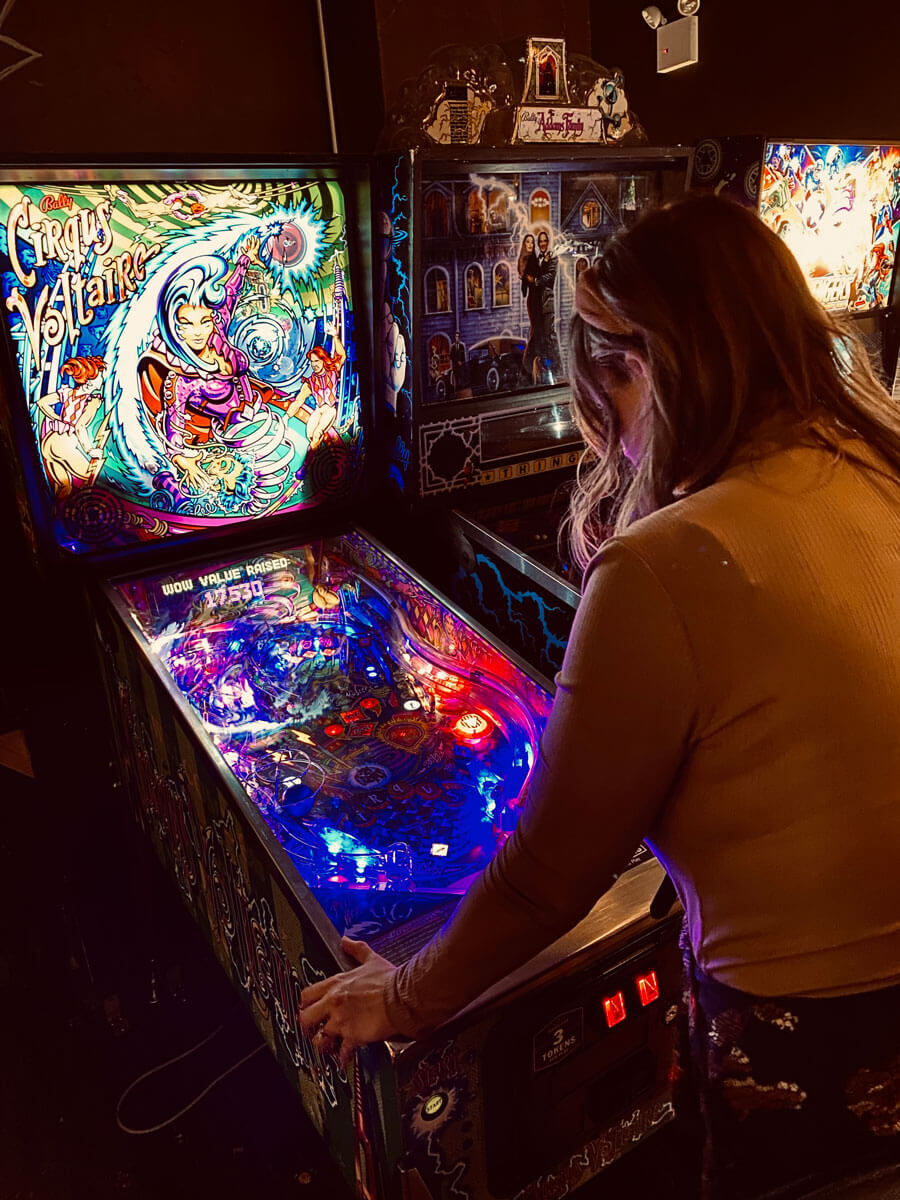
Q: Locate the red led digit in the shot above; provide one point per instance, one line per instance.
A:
(648, 988)
(614, 1008)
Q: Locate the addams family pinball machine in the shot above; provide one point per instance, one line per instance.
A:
(313, 740)
(482, 250)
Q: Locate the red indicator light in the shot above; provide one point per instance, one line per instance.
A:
(614, 1008)
(648, 987)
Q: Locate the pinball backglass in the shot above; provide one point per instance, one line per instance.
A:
(837, 206)
(186, 342)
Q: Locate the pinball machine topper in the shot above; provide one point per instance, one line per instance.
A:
(588, 104)
(480, 255)
(186, 348)
(837, 207)
(465, 95)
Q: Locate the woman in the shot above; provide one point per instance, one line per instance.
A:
(748, 613)
(529, 268)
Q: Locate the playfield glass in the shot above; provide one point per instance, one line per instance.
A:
(186, 346)
(386, 744)
(501, 254)
(837, 207)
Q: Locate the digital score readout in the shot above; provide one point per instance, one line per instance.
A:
(231, 585)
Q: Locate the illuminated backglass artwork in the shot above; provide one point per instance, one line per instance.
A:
(502, 252)
(186, 348)
(837, 207)
(385, 742)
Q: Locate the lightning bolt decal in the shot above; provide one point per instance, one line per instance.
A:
(543, 646)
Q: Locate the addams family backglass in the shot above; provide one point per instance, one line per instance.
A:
(482, 253)
(315, 742)
(482, 250)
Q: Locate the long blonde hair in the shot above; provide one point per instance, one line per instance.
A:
(721, 313)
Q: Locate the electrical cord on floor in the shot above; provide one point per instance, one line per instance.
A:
(170, 1062)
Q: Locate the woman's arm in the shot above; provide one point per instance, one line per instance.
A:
(232, 285)
(616, 737)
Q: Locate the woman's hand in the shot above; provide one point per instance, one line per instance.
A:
(349, 1008)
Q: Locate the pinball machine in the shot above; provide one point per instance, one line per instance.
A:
(836, 205)
(482, 250)
(314, 740)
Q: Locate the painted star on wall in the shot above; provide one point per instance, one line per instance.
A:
(28, 55)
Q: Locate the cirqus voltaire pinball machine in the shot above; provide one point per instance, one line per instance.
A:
(315, 742)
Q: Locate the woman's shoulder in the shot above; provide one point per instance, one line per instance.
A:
(750, 510)
(705, 507)
(695, 528)
(682, 553)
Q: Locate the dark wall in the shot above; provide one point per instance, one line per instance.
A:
(354, 64)
(246, 79)
(793, 68)
(410, 31)
(232, 78)
(166, 77)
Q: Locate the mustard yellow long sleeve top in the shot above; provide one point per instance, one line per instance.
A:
(731, 694)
